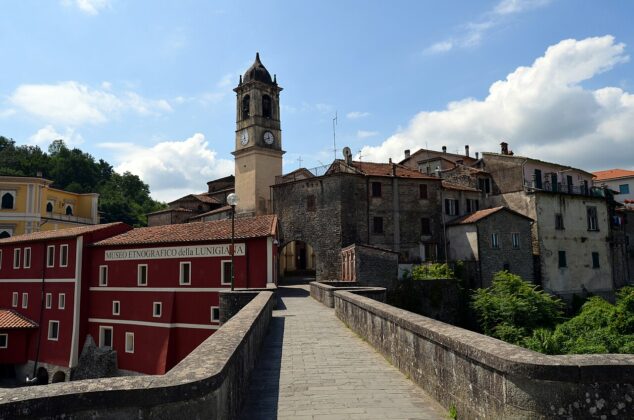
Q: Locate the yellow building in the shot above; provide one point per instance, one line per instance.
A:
(29, 204)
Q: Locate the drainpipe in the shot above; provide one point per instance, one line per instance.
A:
(42, 301)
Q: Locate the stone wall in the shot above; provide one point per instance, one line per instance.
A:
(232, 301)
(323, 291)
(487, 378)
(211, 382)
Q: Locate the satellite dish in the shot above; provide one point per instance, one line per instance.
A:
(347, 154)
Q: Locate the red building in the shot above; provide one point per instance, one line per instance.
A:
(154, 291)
(44, 282)
(151, 294)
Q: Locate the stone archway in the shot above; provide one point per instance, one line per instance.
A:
(59, 376)
(297, 261)
(42, 376)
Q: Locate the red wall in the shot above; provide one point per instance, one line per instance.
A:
(15, 353)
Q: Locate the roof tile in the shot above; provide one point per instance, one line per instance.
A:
(10, 319)
(57, 234)
(613, 174)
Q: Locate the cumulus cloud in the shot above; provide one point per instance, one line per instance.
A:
(172, 168)
(45, 135)
(356, 115)
(471, 33)
(542, 110)
(73, 103)
(362, 134)
(90, 7)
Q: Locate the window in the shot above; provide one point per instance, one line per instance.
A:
(69, 210)
(129, 342)
(246, 101)
(27, 257)
(266, 106)
(472, 205)
(157, 309)
(49, 300)
(624, 188)
(425, 226)
(553, 183)
(116, 307)
(494, 241)
(595, 260)
(185, 273)
(103, 275)
(215, 314)
(63, 256)
(50, 256)
(25, 300)
(562, 259)
(105, 337)
(515, 240)
(559, 221)
(538, 179)
(569, 183)
(451, 207)
(376, 189)
(4, 341)
(377, 225)
(49, 207)
(61, 301)
(225, 272)
(593, 222)
(0, 259)
(141, 275)
(15, 299)
(506, 266)
(17, 253)
(485, 185)
(422, 192)
(430, 252)
(53, 330)
(8, 200)
(310, 203)
(586, 190)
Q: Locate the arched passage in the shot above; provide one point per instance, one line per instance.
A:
(42, 376)
(297, 260)
(59, 376)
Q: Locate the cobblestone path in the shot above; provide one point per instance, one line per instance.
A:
(313, 367)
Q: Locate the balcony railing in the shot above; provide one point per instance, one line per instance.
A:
(67, 218)
(561, 188)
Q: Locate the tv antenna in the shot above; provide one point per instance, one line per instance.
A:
(299, 159)
(334, 134)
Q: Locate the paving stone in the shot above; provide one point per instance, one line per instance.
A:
(313, 367)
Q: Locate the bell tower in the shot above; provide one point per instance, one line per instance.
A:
(258, 148)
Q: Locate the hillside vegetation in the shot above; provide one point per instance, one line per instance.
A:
(122, 197)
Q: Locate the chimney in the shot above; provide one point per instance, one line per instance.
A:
(466, 150)
(390, 161)
(444, 149)
(407, 154)
(477, 155)
(504, 148)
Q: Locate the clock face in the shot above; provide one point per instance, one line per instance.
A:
(269, 138)
(244, 137)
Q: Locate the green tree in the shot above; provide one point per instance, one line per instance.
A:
(432, 272)
(511, 309)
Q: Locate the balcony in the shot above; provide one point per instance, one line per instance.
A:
(561, 188)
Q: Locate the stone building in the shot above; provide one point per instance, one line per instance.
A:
(386, 205)
(494, 239)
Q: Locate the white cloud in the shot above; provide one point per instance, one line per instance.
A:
(357, 114)
(361, 134)
(172, 168)
(73, 103)
(7, 112)
(542, 110)
(90, 7)
(45, 135)
(472, 32)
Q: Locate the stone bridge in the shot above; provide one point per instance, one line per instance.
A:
(362, 359)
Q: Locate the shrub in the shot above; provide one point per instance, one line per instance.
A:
(432, 272)
(511, 309)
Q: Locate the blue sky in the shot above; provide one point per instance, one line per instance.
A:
(147, 85)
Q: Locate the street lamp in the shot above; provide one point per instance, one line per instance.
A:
(232, 200)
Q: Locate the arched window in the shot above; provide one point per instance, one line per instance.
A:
(266, 106)
(246, 103)
(69, 211)
(7, 200)
(4, 234)
(49, 207)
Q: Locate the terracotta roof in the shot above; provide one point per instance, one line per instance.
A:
(517, 157)
(10, 319)
(482, 214)
(245, 227)
(613, 174)
(206, 199)
(57, 234)
(387, 169)
(457, 187)
(452, 157)
(167, 210)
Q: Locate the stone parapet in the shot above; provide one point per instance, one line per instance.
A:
(323, 291)
(211, 382)
(487, 378)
